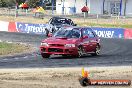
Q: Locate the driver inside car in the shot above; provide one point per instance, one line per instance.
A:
(75, 35)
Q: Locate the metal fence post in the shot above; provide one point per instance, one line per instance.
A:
(16, 11)
(97, 18)
(52, 7)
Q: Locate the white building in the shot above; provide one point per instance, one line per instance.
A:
(122, 7)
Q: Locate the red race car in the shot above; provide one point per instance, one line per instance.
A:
(71, 41)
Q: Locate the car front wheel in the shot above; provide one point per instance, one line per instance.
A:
(65, 55)
(80, 52)
(45, 55)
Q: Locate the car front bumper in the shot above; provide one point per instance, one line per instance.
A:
(59, 50)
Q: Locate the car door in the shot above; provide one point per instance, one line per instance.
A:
(85, 41)
(92, 39)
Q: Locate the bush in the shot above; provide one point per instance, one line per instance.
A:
(33, 3)
(2, 3)
(8, 3)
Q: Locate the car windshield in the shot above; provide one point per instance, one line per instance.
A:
(61, 21)
(68, 33)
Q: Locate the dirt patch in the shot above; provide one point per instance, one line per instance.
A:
(60, 77)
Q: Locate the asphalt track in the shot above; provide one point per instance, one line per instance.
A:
(115, 52)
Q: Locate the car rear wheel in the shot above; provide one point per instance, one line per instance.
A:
(97, 51)
(45, 55)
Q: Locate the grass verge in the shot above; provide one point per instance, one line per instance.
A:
(114, 23)
(12, 48)
(106, 25)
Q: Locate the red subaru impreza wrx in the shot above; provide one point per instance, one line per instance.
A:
(71, 41)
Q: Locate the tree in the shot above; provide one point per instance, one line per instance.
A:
(8, 3)
(2, 3)
(33, 3)
(20, 1)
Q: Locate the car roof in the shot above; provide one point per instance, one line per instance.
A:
(60, 18)
(72, 27)
(76, 27)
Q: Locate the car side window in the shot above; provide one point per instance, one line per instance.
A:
(72, 23)
(67, 22)
(50, 21)
(85, 32)
(88, 32)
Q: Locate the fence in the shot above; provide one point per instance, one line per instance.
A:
(91, 20)
(21, 12)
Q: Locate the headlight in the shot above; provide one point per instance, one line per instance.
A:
(70, 45)
(44, 44)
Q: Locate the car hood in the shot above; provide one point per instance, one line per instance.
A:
(54, 40)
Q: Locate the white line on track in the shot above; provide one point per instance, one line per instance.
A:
(5, 59)
(16, 58)
(25, 57)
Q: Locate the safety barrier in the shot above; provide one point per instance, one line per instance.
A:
(31, 28)
(40, 29)
(4, 26)
(128, 33)
(109, 32)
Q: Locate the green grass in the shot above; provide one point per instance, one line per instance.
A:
(10, 48)
(106, 25)
(114, 23)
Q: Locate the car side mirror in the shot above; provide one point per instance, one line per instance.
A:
(75, 25)
(85, 37)
(50, 35)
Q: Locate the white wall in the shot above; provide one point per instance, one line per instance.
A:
(129, 7)
(70, 3)
(4, 26)
(66, 3)
(96, 6)
(79, 5)
(107, 5)
(59, 5)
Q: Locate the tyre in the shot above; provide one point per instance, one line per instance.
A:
(45, 55)
(65, 55)
(84, 82)
(47, 32)
(80, 52)
(97, 51)
(53, 30)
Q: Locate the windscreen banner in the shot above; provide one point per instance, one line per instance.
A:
(109, 32)
(31, 28)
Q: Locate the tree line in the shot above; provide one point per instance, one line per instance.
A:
(8, 3)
